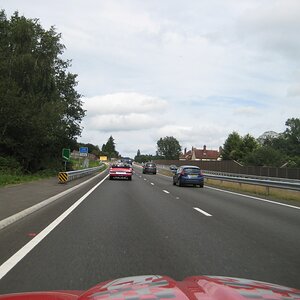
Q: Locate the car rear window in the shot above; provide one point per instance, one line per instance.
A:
(192, 170)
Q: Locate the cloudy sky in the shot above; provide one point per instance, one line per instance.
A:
(193, 69)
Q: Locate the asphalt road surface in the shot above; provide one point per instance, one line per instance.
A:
(149, 226)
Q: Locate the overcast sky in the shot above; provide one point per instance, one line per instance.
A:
(193, 69)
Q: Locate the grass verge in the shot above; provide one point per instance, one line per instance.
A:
(274, 193)
(258, 190)
(7, 178)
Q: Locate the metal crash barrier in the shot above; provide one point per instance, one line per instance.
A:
(282, 183)
(64, 177)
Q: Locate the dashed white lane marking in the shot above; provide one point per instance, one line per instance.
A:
(256, 198)
(202, 212)
(145, 179)
(166, 192)
(152, 183)
(13, 260)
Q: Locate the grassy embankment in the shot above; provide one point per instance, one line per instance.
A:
(280, 194)
(12, 177)
(12, 174)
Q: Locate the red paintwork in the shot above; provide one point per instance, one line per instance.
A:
(126, 170)
(155, 287)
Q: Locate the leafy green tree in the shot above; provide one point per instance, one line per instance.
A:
(287, 143)
(109, 148)
(292, 136)
(249, 144)
(168, 147)
(265, 156)
(40, 110)
(232, 147)
(143, 158)
(238, 148)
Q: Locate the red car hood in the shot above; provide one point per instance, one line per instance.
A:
(154, 287)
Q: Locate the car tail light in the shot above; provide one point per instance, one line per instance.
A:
(182, 173)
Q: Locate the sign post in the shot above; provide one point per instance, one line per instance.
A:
(66, 156)
(83, 151)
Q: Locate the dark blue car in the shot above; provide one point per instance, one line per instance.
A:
(188, 175)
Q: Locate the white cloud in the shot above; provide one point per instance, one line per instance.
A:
(274, 27)
(246, 111)
(172, 68)
(123, 104)
(122, 112)
(122, 122)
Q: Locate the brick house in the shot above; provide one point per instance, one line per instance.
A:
(201, 154)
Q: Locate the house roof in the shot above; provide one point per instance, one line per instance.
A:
(200, 154)
(187, 155)
(206, 154)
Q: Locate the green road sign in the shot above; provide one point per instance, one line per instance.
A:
(66, 153)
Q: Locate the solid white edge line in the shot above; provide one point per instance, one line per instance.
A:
(165, 191)
(202, 212)
(11, 219)
(247, 196)
(18, 256)
(252, 197)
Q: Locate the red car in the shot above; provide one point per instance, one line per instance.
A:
(120, 170)
(154, 287)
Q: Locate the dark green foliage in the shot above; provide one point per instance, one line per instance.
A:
(265, 156)
(283, 150)
(40, 110)
(168, 148)
(109, 149)
(10, 165)
(232, 147)
(144, 158)
(292, 137)
(138, 154)
(93, 149)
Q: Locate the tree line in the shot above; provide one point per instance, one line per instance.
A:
(281, 150)
(40, 109)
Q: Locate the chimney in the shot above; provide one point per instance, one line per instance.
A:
(184, 151)
(204, 147)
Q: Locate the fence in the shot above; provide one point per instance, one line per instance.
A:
(234, 167)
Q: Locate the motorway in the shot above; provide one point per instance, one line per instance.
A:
(148, 226)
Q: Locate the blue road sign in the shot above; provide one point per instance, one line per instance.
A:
(83, 151)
